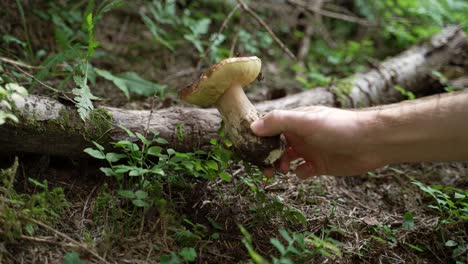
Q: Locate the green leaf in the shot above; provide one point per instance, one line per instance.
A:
(408, 222)
(120, 83)
(459, 195)
(143, 139)
(154, 150)
(83, 97)
(29, 229)
(286, 235)
(161, 140)
(129, 133)
(200, 27)
(170, 152)
(188, 254)
(141, 195)
(275, 242)
(107, 171)
(131, 82)
(126, 194)
(72, 258)
(95, 153)
(114, 157)
(100, 147)
(140, 203)
(135, 172)
(225, 176)
(212, 164)
(157, 170)
(172, 259)
(451, 243)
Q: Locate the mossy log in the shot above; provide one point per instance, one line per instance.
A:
(50, 127)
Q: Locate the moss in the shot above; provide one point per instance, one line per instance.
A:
(98, 124)
(342, 89)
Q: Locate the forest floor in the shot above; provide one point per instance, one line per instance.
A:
(379, 217)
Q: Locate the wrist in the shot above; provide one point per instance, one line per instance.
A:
(383, 137)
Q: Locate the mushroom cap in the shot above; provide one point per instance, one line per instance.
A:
(219, 78)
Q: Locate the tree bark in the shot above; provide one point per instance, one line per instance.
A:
(50, 127)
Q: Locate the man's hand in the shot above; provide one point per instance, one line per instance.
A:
(331, 141)
(344, 142)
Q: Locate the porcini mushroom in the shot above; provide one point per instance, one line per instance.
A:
(222, 86)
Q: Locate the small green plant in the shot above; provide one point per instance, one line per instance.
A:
(266, 206)
(18, 210)
(184, 255)
(451, 202)
(300, 247)
(384, 234)
(139, 168)
(76, 53)
(72, 258)
(163, 14)
(296, 248)
(408, 94)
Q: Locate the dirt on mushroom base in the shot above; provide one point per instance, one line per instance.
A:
(355, 211)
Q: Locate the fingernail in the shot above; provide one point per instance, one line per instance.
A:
(257, 125)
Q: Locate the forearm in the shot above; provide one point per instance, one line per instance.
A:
(430, 129)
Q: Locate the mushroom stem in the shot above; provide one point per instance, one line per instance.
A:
(238, 113)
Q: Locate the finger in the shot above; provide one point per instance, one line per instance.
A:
(269, 172)
(278, 121)
(289, 155)
(305, 170)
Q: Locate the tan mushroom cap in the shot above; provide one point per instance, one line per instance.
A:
(220, 77)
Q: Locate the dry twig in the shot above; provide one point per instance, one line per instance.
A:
(65, 236)
(247, 9)
(331, 14)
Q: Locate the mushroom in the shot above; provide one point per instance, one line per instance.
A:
(222, 86)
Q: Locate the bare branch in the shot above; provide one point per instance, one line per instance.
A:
(247, 9)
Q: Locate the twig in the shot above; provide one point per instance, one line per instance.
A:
(331, 14)
(18, 63)
(42, 83)
(65, 236)
(223, 26)
(233, 45)
(247, 9)
(85, 205)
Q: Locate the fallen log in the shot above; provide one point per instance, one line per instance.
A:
(50, 127)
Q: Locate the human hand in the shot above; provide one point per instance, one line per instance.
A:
(331, 141)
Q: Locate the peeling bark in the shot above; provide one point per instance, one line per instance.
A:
(49, 127)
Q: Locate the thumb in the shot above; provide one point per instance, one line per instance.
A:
(277, 122)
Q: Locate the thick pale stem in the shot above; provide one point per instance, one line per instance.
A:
(236, 110)
(238, 113)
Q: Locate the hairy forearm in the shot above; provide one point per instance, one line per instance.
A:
(429, 129)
